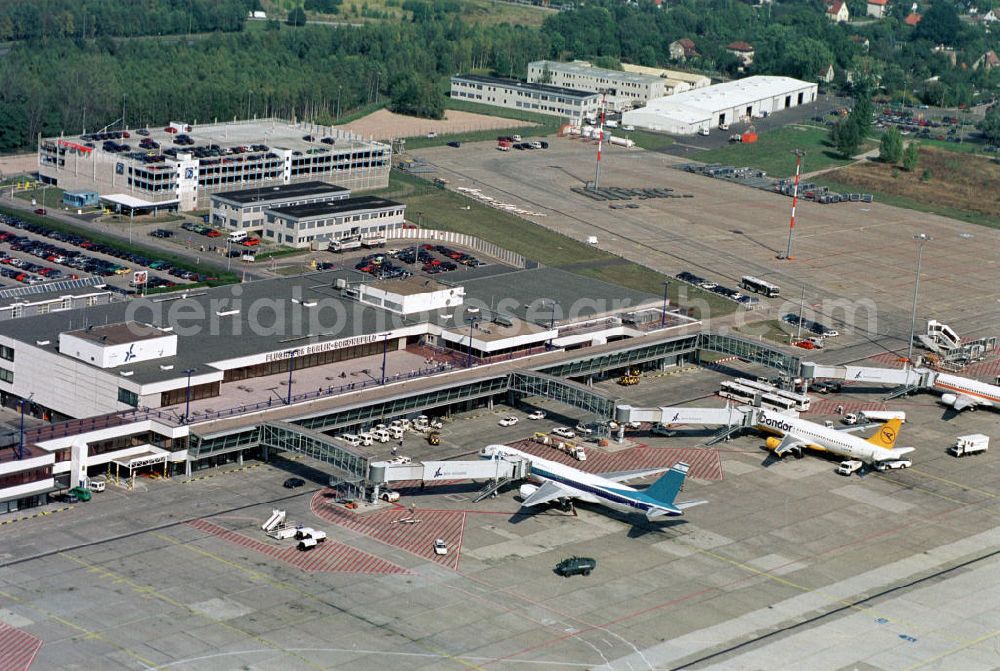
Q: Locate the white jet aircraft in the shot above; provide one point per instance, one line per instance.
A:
(796, 434)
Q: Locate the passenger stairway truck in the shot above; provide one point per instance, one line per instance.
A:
(974, 443)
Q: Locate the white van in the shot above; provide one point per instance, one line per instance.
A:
(351, 439)
(237, 236)
(396, 432)
(96, 485)
(366, 439)
(381, 435)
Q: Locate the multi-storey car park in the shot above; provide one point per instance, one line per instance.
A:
(179, 166)
(145, 370)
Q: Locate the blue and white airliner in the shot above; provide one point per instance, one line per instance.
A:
(564, 483)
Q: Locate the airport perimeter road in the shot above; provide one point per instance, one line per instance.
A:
(855, 262)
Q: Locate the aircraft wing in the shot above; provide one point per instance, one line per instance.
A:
(625, 476)
(963, 402)
(789, 443)
(550, 491)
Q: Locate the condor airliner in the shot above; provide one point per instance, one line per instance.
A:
(961, 392)
(561, 482)
(797, 434)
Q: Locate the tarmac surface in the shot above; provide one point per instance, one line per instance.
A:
(854, 263)
(789, 565)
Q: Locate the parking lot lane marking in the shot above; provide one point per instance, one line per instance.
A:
(152, 592)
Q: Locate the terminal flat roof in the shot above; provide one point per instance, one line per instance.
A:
(518, 84)
(118, 334)
(409, 286)
(270, 319)
(281, 191)
(356, 203)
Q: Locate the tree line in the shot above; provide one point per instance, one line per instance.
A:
(84, 19)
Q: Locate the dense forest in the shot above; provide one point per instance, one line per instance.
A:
(113, 61)
(82, 19)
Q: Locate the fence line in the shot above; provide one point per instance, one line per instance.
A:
(461, 240)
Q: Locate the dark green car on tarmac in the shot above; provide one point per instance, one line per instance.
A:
(576, 566)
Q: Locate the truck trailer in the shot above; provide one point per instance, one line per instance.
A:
(974, 443)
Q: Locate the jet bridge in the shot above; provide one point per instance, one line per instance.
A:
(913, 377)
(708, 416)
(505, 469)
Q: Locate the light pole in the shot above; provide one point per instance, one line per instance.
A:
(663, 319)
(795, 199)
(291, 369)
(472, 323)
(187, 401)
(20, 444)
(552, 320)
(385, 354)
(921, 238)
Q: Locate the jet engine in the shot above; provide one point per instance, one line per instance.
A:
(526, 490)
(949, 399)
(773, 443)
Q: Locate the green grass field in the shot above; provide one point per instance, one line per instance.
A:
(446, 210)
(912, 204)
(773, 151)
(647, 140)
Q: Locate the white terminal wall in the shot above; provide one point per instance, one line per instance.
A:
(109, 356)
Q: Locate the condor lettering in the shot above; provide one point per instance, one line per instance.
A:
(776, 424)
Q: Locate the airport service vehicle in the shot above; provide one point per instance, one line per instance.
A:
(96, 485)
(389, 495)
(797, 434)
(398, 460)
(703, 131)
(571, 449)
(433, 438)
(874, 416)
(745, 392)
(849, 466)
(563, 432)
(893, 464)
(762, 287)
(381, 435)
(366, 439)
(351, 439)
(509, 420)
(974, 443)
(575, 566)
(292, 483)
(583, 429)
(440, 547)
(345, 244)
(375, 241)
(537, 414)
(564, 483)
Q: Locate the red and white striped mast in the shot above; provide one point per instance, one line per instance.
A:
(795, 200)
(600, 142)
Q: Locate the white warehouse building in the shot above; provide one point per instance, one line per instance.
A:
(689, 112)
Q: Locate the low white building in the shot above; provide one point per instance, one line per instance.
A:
(316, 224)
(245, 209)
(740, 100)
(572, 104)
(621, 90)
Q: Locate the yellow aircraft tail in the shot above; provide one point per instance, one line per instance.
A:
(886, 436)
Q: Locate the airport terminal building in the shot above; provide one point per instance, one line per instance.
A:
(135, 370)
(180, 166)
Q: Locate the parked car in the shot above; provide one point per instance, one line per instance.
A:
(292, 483)
(509, 420)
(563, 432)
(440, 547)
(537, 414)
